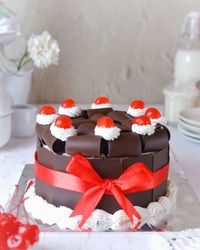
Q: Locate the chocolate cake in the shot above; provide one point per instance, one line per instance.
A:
(111, 140)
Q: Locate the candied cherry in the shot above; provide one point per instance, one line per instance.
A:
(152, 113)
(137, 104)
(63, 122)
(30, 232)
(141, 120)
(68, 103)
(102, 100)
(17, 242)
(105, 122)
(8, 224)
(47, 110)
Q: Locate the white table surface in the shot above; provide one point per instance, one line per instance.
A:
(19, 152)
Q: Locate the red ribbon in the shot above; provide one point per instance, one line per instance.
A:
(83, 178)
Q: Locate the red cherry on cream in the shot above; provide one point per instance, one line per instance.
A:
(152, 113)
(68, 103)
(102, 100)
(141, 120)
(105, 122)
(47, 110)
(137, 104)
(63, 122)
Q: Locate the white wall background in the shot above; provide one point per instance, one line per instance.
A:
(120, 48)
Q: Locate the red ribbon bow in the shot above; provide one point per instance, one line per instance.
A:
(135, 179)
(83, 178)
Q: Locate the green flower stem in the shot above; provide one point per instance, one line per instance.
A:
(24, 60)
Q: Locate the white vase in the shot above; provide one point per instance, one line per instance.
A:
(18, 86)
(5, 117)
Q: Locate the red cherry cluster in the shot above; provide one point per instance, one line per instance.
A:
(16, 235)
(13, 233)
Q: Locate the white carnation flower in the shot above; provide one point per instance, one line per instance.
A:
(43, 50)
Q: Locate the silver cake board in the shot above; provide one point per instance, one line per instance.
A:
(186, 215)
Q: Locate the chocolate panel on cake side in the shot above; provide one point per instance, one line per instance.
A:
(156, 141)
(127, 144)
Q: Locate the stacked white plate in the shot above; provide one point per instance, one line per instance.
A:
(189, 124)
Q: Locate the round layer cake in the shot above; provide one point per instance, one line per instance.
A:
(112, 141)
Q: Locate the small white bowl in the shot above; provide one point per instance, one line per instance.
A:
(23, 120)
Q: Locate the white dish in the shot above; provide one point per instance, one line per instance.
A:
(191, 116)
(191, 138)
(190, 127)
(189, 133)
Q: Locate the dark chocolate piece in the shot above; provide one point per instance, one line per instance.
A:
(103, 111)
(156, 141)
(118, 116)
(87, 145)
(127, 123)
(40, 130)
(160, 158)
(54, 143)
(127, 144)
(122, 127)
(78, 121)
(95, 117)
(147, 159)
(86, 129)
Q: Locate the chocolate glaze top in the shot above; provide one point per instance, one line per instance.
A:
(90, 145)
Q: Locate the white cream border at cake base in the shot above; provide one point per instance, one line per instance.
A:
(100, 220)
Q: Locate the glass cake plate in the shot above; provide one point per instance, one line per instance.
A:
(186, 204)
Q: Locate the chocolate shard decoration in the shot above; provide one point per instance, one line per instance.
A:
(77, 121)
(127, 123)
(103, 111)
(156, 141)
(86, 145)
(55, 144)
(127, 144)
(86, 129)
(95, 117)
(40, 130)
(122, 127)
(118, 116)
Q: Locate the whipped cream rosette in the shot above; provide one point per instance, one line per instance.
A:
(62, 128)
(136, 108)
(101, 102)
(46, 116)
(106, 129)
(142, 125)
(154, 115)
(69, 108)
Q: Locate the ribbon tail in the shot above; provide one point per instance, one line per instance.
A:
(126, 205)
(88, 203)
